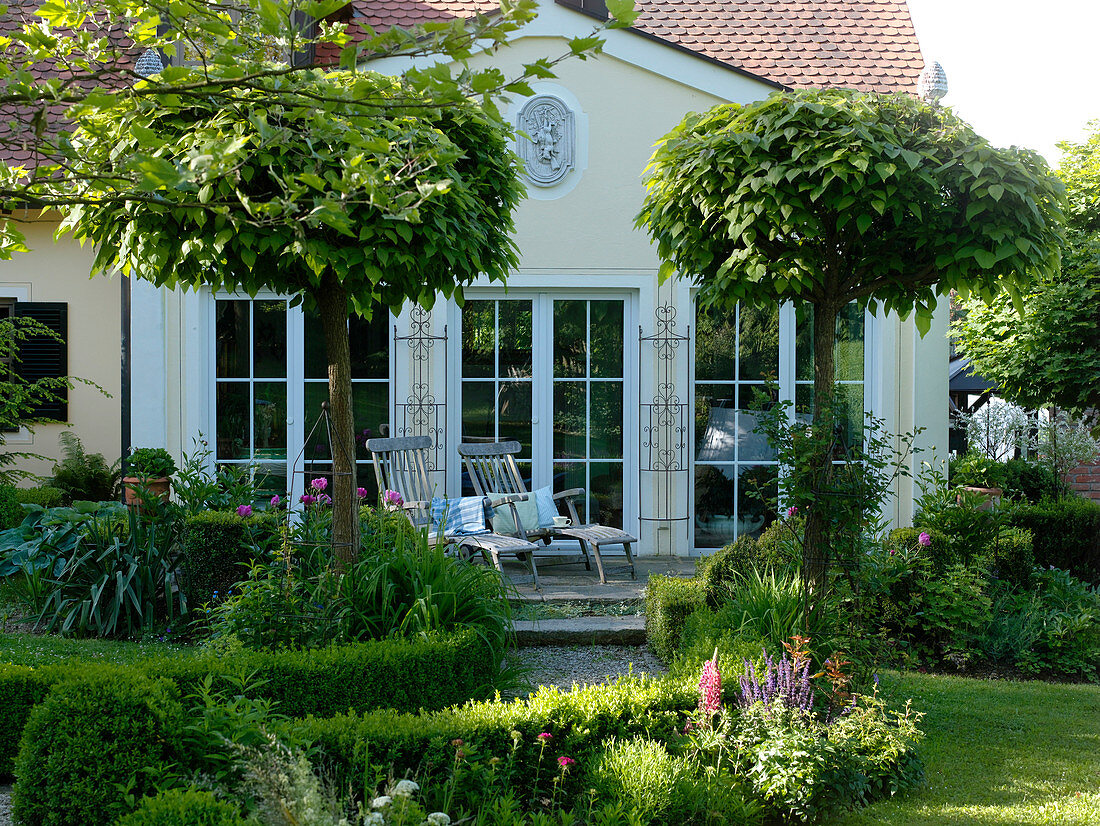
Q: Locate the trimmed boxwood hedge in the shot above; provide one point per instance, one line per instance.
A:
(403, 675)
(348, 747)
(668, 603)
(90, 736)
(216, 548)
(1065, 533)
(44, 496)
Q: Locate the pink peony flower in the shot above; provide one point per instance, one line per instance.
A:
(361, 493)
(320, 483)
(307, 499)
(392, 499)
(324, 499)
(792, 511)
(924, 539)
(710, 687)
(565, 762)
(244, 510)
(276, 501)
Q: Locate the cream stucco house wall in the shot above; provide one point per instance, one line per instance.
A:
(583, 357)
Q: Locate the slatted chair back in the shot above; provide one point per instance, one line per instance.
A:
(401, 464)
(492, 467)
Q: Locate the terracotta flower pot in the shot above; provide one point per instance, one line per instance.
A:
(990, 497)
(159, 485)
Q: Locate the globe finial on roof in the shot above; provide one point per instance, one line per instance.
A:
(149, 63)
(932, 84)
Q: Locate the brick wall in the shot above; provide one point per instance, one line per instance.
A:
(1086, 480)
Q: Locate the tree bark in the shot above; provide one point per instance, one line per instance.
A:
(332, 304)
(815, 547)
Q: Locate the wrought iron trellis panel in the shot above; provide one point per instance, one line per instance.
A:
(424, 412)
(663, 433)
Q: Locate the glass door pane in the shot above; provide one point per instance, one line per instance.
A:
(251, 393)
(736, 357)
(498, 376)
(587, 398)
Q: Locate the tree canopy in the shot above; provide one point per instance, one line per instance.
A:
(1048, 351)
(239, 166)
(828, 197)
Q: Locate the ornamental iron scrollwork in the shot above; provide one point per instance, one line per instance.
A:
(663, 433)
(422, 413)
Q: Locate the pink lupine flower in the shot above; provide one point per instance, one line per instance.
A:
(565, 762)
(710, 687)
(320, 483)
(361, 493)
(244, 510)
(924, 539)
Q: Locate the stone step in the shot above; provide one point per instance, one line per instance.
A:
(581, 631)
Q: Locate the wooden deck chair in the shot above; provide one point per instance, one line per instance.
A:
(401, 465)
(493, 471)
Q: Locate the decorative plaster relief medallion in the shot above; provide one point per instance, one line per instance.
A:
(549, 150)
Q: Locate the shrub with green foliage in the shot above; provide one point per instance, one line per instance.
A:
(1010, 557)
(804, 769)
(579, 722)
(939, 551)
(1065, 534)
(1032, 481)
(216, 547)
(185, 807)
(406, 675)
(780, 546)
(641, 774)
(721, 567)
(91, 739)
(405, 590)
(668, 603)
(11, 514)
(150, 463)
(84, 476)
(43, 496)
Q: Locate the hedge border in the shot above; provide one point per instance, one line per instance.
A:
(402, 675)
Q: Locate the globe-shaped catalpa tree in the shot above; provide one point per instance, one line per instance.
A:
(238, 166)
(824, 198)
(384, 245)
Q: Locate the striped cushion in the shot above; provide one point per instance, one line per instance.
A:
(463, 516)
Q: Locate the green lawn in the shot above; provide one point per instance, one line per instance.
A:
(35, 650)
(998, 752)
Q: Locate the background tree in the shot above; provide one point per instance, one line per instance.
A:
(824, 198)
(1048, 353)
(347, 190)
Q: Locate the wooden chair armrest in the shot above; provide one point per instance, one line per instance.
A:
(506, 499)
(569, 494)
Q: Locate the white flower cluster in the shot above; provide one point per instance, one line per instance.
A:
(398, 804)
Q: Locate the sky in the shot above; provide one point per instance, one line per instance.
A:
(1022, 72)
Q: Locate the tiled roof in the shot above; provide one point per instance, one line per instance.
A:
(869, 45)
(18, 146)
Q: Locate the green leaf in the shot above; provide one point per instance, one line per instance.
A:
(623, 11)
(863, 223)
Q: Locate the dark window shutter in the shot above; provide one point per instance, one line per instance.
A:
(42, 356)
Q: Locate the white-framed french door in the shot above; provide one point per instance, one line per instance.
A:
(556, 371)
(267, 374)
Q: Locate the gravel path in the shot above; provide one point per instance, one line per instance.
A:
(5, 805)
(585, 664)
